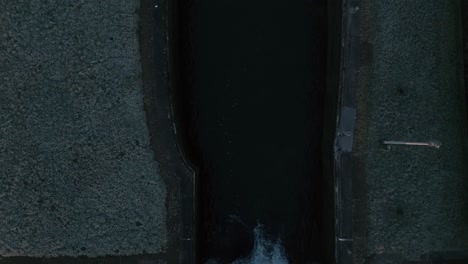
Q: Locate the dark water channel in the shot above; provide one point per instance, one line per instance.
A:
(248, 94)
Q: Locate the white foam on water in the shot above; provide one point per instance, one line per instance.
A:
(265, 251)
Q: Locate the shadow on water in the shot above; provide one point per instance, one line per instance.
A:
(249, 85)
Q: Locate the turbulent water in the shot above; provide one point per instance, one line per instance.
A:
(265, 251)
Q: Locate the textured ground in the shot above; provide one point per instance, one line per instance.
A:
(77, 173)
(414, 199)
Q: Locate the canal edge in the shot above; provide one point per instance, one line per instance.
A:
(345, 126)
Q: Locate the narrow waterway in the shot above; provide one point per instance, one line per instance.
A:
(249, 99)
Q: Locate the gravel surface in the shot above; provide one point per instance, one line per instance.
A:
(77, 172)
(414, 199)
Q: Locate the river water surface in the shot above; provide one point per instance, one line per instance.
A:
(250, 93)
